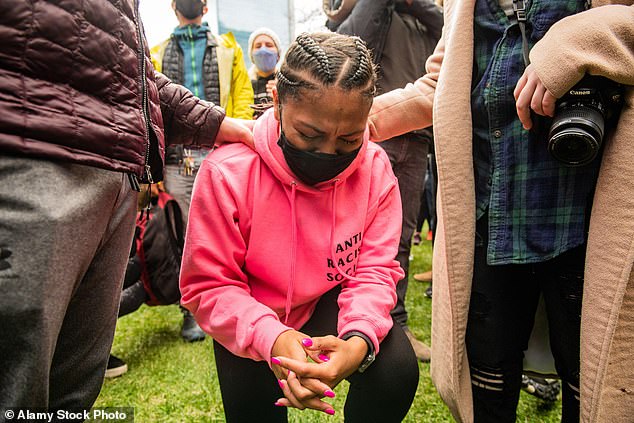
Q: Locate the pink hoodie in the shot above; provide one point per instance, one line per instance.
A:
(262, 247)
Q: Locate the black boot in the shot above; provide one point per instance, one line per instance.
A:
(191, 332)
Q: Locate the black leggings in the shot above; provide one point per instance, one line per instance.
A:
(501, 314)
(383, 393)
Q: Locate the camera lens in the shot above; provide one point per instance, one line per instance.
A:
(576, 134)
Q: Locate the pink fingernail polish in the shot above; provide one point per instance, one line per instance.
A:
(275, 360)
(307, 342)
(323, 357)
(279, 382)
(329, 393)
(279, 404)
(329, 411)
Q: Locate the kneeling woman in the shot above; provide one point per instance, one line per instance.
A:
(290, 249)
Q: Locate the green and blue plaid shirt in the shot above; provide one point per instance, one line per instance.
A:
(537, 208)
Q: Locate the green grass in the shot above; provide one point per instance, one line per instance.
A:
(170, 380)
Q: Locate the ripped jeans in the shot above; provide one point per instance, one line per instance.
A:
(501, 314)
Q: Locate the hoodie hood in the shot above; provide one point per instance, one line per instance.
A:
(267, 133)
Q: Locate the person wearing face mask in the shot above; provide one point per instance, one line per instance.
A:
(212, 67)
(290, 249)
(264, 52)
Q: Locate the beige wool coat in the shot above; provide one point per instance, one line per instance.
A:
(598, 41)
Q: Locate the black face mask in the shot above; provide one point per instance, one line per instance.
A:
(190, 9)
(313, 168)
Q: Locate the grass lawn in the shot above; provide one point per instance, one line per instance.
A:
(172, 381)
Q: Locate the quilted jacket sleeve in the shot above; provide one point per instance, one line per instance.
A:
(186, 118)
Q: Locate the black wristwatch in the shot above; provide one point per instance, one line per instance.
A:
(370, 356)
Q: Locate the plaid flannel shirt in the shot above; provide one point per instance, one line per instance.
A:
(537, 208)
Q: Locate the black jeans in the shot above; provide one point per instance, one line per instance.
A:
(501, 314)
(383, 393)
(408, 156)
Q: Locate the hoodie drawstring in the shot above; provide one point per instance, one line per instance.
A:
(291, 285)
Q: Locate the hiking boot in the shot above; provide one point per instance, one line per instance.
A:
(428, 291)
(422, 351)
(417, 239)
(116, 367)
(191, 332)
(423, 277)
(545, 389)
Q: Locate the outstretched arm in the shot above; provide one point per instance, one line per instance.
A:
(407, 109)
(190, 120)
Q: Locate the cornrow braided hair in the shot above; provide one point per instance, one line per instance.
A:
(281, 78)
(323, 60)
(310, 46)
(364, 64)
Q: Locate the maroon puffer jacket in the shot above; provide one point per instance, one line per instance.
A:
(77, 84)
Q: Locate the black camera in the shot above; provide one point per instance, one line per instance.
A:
(581, 118)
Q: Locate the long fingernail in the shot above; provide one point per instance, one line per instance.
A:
(323, 357)
(329, 411)
(275, 360)
(279, 404)
(307, 342)
(279, 382)
(329, 393)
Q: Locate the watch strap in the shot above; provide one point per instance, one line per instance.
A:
(370, 356)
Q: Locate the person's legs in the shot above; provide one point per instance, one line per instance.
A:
(385, 391)
(69, 229)
(249, 388)
(501, 313)
(408, 156)
(233, 371)
(562, 285)
(132, 298)
(180, 185)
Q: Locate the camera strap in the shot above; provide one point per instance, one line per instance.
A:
(519, 7)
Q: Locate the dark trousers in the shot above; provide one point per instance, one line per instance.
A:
(408, 156)
(383, 393)
(68, 229)
(501, 314)
(428, 199)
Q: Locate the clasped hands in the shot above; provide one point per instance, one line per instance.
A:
(304, 383)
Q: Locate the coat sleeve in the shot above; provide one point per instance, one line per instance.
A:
(213, 285)
(427, 12)
(366, 299)
(598, 41)
(407, 109)
(370, 21)
(241, 87)
(186, 118)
